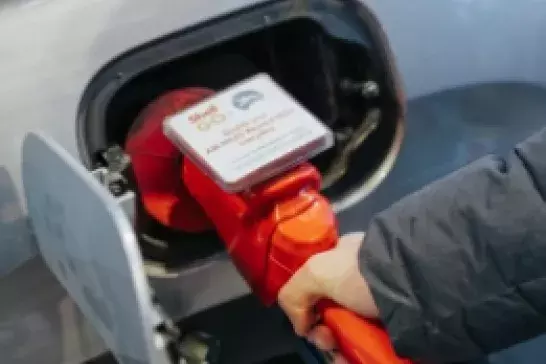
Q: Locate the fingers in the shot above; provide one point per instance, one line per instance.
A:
(298, 298)
(302, 319)
(338, 359)
(333, 274)
(318, 278)
(321, 336)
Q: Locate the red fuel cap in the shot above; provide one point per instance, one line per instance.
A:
(157, 163)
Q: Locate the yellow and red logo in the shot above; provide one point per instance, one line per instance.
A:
(208, 118)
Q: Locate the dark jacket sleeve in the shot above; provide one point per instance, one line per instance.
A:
(458, 269)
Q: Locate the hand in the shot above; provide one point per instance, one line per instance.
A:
(333, 274)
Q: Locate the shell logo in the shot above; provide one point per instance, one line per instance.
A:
(207, 119)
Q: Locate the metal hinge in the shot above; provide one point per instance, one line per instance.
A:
(185, 348)
(112, 177)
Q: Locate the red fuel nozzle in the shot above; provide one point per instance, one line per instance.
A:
(270, 231)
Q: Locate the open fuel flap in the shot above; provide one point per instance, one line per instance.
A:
(86, 238)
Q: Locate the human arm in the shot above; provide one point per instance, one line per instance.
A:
(456, 270)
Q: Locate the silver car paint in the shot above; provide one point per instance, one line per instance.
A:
(50, 49)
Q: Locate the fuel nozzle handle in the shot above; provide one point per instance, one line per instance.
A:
(360, 341)
(304, 234)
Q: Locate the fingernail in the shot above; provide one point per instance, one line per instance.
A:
(312, 338)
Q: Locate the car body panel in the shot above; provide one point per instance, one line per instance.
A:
(50, 49)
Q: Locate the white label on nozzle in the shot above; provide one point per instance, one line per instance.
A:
(246, 129)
